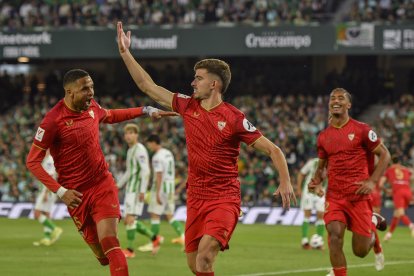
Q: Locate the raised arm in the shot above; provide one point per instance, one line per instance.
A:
(285, 189)
(140, 76)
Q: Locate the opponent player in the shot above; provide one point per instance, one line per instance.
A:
(310, 202)
(214, 130)
(43, 206)
(71, 131)
(136, 178)
(399, 177)
(348, 147)
(162, 192)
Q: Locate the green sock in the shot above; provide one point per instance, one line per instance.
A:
(305, 228)
(320, 227)
(155, 226)
(130, 230)
(178, 227)
(142, 229)
(46, 222)
(46, 232)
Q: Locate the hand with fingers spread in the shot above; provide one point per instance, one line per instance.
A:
(285, 191)
(315, 187)
(366, 187)
(72, 198)
(124, 40)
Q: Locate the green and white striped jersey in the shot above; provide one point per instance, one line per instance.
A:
(163, 161)
(136, 176)
(309, 170)
(49, 165)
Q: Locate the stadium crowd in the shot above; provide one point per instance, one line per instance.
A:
(291, 121)
(15, 15)
(383, 11)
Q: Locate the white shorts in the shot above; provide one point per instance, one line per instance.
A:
(166, 208)
(41, 204)
(132, 205)
(312, 202)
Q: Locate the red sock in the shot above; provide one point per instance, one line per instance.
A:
(339, 271)
(205, 273)
(117, 262)
(394, 223)
(406, 220)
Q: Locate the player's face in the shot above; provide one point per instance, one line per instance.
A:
(338, 103)
(131, 137)
(151, 146)
(203, 84)
(82, 93)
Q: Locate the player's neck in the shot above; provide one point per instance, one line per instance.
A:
(70, 105)
(340, 121)
(132, 144)
(212, 102)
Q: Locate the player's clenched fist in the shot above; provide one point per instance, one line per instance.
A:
(72, 198)
(315, 187)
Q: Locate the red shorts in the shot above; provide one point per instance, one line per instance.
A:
(376, 199)
(98, 202)
(216, 218)
(402, 198)
(357, 215)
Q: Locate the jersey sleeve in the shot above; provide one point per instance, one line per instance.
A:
(246, 131)
(157, 164)
(180, 103)
(46, 132)
(307, 168)
(369, 138)
(322, 154)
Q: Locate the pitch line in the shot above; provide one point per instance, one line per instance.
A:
(320, 269)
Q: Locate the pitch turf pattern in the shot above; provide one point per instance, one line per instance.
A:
(255, 250)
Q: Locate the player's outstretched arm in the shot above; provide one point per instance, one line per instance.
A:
(315, 186)
(120, 115)
(285, 189)
(140, 76)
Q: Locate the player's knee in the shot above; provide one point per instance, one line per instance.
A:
(360, 251)
(336, 241)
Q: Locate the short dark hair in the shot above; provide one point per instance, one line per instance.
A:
(344, 91)
(217, 67)
(154, 138)
(395, 159)
(73, 75)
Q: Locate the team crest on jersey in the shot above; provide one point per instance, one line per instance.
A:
(69, 123)
(92, 114)
(221, 125)
(39, 134)
(351, 136)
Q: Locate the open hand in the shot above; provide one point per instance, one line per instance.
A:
(315, 187)
(124, 40)
(366, 187)
(72, 198)
(285, 191)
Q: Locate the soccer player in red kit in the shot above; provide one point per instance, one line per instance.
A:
(399, 177)
(347, 147)
(71, 131)
(214, 130)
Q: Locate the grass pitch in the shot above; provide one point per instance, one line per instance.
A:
(255, 250)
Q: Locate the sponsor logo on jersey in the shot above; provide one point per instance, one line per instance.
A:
(69, 123)
(39, 134)
(351, 136)
(221, 125)
(372, 136)
(92, 114)
(248, 126)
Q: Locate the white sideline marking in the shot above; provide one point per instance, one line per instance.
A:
(321, 269)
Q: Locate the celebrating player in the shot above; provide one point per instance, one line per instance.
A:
(310, 202)
(348, 147)
(43, 206)
(71, 131)
(136, 178)
(163, 188)
(399, 177)
(214, 130)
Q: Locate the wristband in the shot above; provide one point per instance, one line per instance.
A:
(61, 191)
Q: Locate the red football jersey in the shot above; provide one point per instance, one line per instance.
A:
(399, 177)
(73, 139)
(348, 151)
(213, 143)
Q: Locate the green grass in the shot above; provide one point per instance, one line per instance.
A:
(254, 249)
